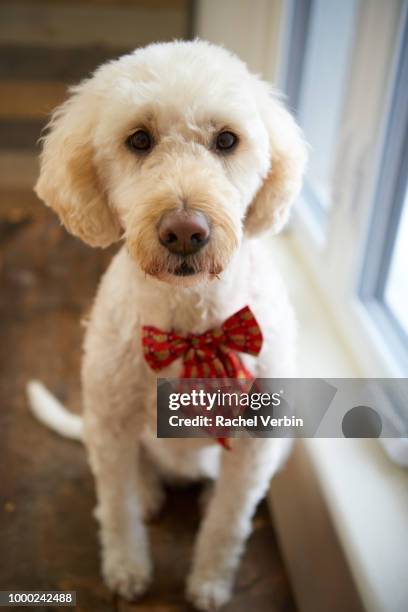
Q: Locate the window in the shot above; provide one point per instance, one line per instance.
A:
(396, 289)
(384, 281)
(324, 79)
(345, 72)
(325, 33)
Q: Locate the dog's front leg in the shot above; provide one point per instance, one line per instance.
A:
(243, 480)
(113, 450)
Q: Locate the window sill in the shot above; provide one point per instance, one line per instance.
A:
(357, 552)
(322, 351)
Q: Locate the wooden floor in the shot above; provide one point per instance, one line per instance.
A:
(48, 538)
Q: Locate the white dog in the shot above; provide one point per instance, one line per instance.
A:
(184, 155)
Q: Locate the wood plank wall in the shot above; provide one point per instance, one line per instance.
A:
(46, 45)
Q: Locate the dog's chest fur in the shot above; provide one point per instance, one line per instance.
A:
(197, 309)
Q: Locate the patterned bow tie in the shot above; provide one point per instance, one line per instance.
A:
(209, 355)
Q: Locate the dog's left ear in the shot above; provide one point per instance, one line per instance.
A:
(288, 153)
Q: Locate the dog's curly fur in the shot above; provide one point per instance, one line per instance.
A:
(184, 93)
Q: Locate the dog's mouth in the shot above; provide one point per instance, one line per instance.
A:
(185, 269)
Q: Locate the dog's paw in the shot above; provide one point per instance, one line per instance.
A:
(129, 580)
(208, 594)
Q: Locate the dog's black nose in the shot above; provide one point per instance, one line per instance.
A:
(184, 232)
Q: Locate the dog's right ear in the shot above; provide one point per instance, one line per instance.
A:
(288, 154)
(68, 180)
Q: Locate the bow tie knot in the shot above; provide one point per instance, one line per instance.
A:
(211, 354)
(210, 339)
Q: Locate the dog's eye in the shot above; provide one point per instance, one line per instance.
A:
(226, 141)
(140, 141)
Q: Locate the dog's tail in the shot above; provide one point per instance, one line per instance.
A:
(52, 413)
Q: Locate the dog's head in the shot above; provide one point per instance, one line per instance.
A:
(178, 149)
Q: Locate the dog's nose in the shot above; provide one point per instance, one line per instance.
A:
(184, 232)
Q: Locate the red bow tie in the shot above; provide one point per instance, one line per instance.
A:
(209, 355)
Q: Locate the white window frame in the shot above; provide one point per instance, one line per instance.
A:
(388, 207)
(336, 255)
